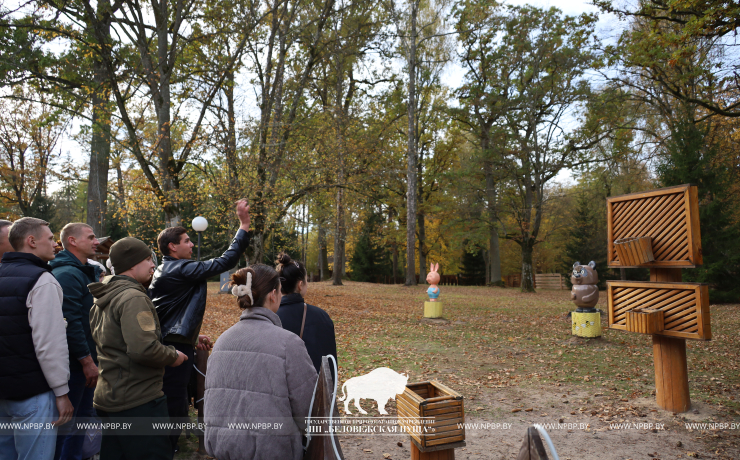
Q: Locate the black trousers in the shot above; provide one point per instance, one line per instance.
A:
(143, 439)
(175, 387)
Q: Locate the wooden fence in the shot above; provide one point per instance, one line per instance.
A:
(549, 281)
(541, 281)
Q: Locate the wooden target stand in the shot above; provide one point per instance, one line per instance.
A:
(431, 413)
(666, 308)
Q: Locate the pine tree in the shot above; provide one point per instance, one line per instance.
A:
(473, 266)
(692, 159)
(369, 261)
(586, 240)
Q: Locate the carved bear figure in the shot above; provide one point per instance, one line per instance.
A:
(585, 292)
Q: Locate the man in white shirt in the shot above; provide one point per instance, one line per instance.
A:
(34, 359)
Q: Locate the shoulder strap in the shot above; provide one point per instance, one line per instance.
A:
(303, 322)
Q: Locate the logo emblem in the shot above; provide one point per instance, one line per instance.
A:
(382, 385)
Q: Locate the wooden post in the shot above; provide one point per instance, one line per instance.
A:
(669, 356)
(201, 363)
(446, 454)
(665, 275)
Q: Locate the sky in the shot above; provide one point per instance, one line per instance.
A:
(452, 76)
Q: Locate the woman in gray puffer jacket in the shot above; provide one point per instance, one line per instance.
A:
(260, 378)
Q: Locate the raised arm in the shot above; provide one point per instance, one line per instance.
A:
(199, 270)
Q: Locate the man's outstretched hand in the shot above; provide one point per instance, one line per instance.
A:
(242, 212)
(204, 342)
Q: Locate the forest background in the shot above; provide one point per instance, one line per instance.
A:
(331, 117)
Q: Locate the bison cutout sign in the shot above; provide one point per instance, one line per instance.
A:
(382, 385)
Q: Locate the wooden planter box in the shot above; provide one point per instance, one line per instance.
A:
(430, 413)
(645, 321)
(634, 251)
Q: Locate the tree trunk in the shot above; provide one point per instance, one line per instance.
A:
(494, 258)
(159, 83)
(494, 255)
(97, 184)
(422, 250)
(323, 256)
(230, 147)
(339, 240)
(122, 195)
(411, 156)
(420, 219)
(487, 260)
(257, 246)
(166, 161)
(395, 263)
(304, 233)
(527, 267)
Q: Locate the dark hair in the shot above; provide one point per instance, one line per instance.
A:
(291, 271)
(264, 280)
(167, 236)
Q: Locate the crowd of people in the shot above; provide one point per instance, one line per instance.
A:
(80, 347)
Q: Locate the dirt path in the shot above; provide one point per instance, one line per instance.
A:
(636, 431)
(513, 358)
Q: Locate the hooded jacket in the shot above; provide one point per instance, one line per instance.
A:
(74, 277)
(258, 372)
(179, 290)
(131, 357)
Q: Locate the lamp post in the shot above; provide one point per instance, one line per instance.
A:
(200, 224)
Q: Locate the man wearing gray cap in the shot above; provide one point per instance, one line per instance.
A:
(131, 357)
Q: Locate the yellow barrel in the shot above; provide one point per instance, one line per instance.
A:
(586, 324)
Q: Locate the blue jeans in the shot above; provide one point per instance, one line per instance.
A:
(31, 437)
(70, 437)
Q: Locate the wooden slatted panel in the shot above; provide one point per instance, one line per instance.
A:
(668, 216)
(549, 281)
(432, 405)
(645, 321)
(685, 306)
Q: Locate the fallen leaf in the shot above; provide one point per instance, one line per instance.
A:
(515, 410)
(388, 456)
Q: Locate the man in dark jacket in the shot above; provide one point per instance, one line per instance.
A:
(179, 292)
(132, 358)
(73, 273)
(34, 362)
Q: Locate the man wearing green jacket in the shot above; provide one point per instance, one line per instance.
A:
(131, 358)
(74, 273)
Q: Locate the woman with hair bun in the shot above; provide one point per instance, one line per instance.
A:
(310, 323)
(259, 375)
